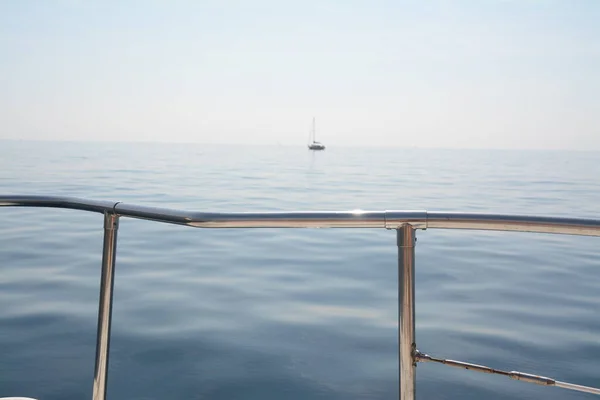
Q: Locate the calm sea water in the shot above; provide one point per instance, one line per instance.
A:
(288, 313)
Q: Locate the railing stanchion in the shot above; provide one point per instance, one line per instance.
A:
(406, 312)
(109, 251)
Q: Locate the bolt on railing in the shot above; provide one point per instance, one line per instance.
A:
(404, 222)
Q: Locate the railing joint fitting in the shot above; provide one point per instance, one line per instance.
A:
(111, 221)
(114, 208)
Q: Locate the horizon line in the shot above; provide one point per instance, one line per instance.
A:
(254, 144)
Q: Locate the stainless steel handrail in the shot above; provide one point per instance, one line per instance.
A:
(418, 219)
(72, 203)
(404, 222)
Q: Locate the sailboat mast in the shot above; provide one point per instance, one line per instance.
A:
(314, 131)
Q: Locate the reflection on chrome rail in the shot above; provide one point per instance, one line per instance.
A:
(405, 222)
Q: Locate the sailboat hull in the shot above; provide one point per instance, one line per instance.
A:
(315, 145)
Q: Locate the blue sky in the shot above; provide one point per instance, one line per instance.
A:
(457, 74)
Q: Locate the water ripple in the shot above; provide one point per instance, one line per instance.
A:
(309, 314)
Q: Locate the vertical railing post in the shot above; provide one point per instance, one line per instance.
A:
(406, 311)
(109, 251)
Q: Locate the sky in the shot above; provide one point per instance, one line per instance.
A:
(520, 74)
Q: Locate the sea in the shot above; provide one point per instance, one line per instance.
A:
(294, 313)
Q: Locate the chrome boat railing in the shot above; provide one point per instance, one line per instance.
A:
(404, 222)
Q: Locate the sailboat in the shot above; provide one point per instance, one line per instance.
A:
(315, 145)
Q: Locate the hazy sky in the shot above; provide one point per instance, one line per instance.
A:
(497, 74)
